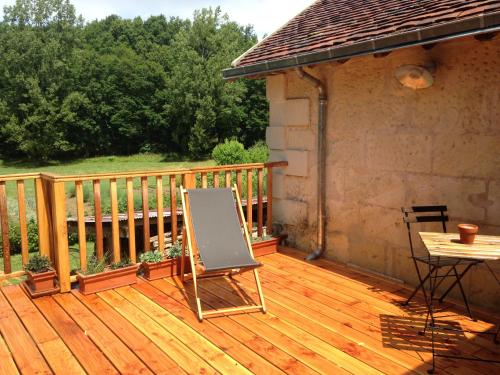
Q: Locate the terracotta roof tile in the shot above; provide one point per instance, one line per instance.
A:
(338, 23)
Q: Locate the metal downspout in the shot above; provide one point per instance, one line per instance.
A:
(321, 161)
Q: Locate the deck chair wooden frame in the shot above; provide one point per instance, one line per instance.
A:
(199, 272)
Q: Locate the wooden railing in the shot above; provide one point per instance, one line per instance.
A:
(254, 183)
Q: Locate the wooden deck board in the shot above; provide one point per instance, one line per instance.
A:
(89, 356)
(56, 353)
(323, 317)
(156, 359)
(26, 355)
(180, 353)
(114, 349)
(8, 366)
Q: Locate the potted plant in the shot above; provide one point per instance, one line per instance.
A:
(266, 244)
(41, 276)
(99, 276)
(156, 265)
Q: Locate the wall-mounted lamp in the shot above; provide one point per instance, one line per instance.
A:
(416, 77)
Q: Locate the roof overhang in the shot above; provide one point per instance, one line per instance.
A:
(438, 33)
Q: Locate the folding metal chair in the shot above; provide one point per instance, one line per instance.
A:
(435, 214)
(218, 241)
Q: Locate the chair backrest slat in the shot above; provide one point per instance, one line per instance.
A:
(424, 214)
(426, 219)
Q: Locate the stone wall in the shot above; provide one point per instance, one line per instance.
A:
(389, 146)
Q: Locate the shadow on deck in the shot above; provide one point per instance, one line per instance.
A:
(322, 318)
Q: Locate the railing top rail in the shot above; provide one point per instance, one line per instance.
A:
(161, 172)
(18, 176)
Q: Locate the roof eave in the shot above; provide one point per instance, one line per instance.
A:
(467, 27)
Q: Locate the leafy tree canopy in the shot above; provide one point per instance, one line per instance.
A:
(118, 86)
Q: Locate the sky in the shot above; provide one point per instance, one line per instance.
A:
(265, 15)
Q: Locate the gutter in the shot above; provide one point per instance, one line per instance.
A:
(485, 23)
(321, 161)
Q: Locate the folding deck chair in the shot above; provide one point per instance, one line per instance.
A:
(217, 239)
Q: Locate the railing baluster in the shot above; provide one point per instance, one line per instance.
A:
(204, 180)
(131, 219)
(239, 181)
(99, 237)
(173, 207)
(260, 202)
(60, 243)
(43, 209)
(159, 213)
(115, 225)
(228, 178)
(80, 211)
(216, 179)
(249, 201)
(23, 226)
(269, 225)
(4, 221)
(145, 213)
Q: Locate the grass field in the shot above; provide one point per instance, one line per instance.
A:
(141, 162)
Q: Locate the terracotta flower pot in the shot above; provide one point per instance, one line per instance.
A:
(266, 247)
(41, 282)
(467, 233)
(165, 268)
(108, 279)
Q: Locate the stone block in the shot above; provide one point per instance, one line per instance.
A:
(335, 183)
(277, 155)
(463, 196)
(297, 112)
(301, 139)
(467, 155)
(299, 188)
(378, 188)
(276, 137)
(399, 152)
(287, 211)
(493, 209)
(297, 163)
(279, 186)
(346, 149)
(277, 113)
(276, 88)
(337, 247)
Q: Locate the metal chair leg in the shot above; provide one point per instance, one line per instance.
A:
(431, 314)
(420, 285)
(455, 283)
(459, 282)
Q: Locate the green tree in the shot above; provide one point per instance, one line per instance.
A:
(117, 86)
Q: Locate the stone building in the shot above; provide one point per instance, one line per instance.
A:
(387, 143)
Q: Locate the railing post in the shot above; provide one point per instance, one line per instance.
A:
(4, 222)
(60, 235)
(269, 225)
(43, 213)
(189, 181)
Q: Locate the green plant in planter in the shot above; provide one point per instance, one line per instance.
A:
(121, 264)
(95, 265)
(151, 257)
(260, 239)
(38, 264)
(175, 250)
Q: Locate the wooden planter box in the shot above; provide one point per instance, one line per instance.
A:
(108, 279)
(41, 284)
(266, 247)
(165, 268)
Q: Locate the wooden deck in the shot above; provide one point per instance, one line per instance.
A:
(322, 318)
